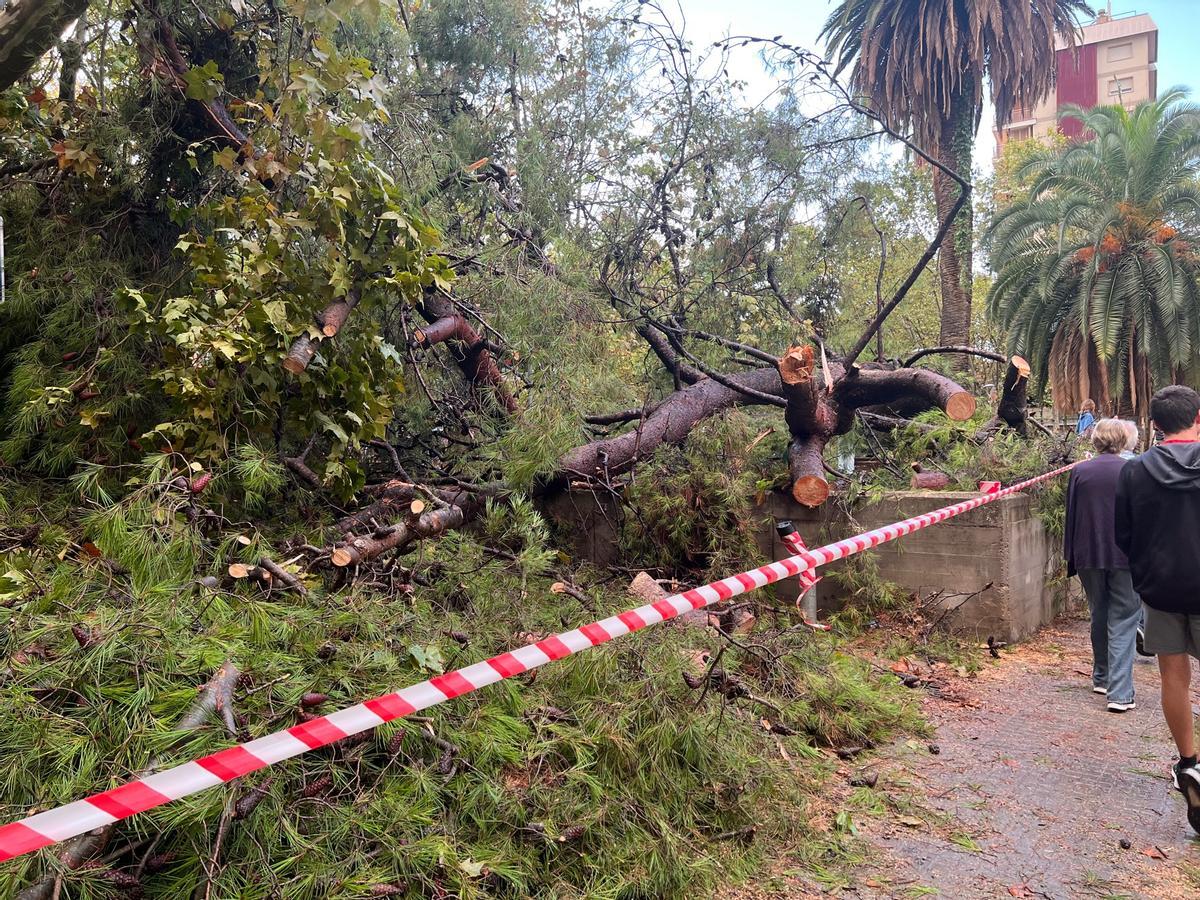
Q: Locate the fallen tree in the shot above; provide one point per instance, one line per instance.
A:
(820, 403)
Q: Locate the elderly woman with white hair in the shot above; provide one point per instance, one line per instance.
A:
(1133, 439)
(1092, 554)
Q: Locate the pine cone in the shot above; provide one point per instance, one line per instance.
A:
(159, 861)
(246, 805)
(308, 701)
(201, 482)
(317, 786)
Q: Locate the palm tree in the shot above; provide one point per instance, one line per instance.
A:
(922, 65)
(1097, 268)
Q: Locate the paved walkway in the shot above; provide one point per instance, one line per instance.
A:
(1041, 791)
(1030, 789)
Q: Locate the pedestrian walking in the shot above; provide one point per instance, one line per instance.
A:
(1157, 526)
(1103, 569)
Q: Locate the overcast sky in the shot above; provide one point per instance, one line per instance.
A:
(800, 21)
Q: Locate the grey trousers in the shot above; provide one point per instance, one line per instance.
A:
(1116, 614)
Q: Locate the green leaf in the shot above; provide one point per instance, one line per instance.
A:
(204, 82)
(13, 585)
(428, 658)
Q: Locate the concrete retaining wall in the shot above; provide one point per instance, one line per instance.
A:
(1001, 550)
(1003, 544)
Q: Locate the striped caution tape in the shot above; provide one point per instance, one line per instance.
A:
(808, 578)
(155, 790)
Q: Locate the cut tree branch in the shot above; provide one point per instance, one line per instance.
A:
(329, 322)
(357, 550)
(470, 349)
(669, 423)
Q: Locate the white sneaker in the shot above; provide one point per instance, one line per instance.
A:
(1113, 706)
(1096, 689)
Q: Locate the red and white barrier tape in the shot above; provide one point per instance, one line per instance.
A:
(145, 793)
(808, 578)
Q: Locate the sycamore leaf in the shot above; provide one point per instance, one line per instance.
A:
(13, 585)
(428, 658)
(472, 868)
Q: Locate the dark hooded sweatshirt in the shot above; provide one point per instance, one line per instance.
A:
(1158, 526)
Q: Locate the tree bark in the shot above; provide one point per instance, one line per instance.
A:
(333, 317)
(72, 58)
(969, 351)
(806, 465)
(224, 128)
(820, 406)
(355, 551)
(820, 409)
(393, 499)
(28, 28)
(927, 481)
(330, 321)
(916, 389)
(300, 354)
(471, 352)
(670, 423)
(1013, 407)
(955, 270)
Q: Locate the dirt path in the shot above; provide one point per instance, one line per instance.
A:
(1034, 790)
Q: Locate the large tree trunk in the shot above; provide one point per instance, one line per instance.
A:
(819, 408)
(1013, 407)
(669, 423)
(28, 28)
(955, 270)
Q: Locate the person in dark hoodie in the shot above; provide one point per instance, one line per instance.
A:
(1157, 526)
(1103, 570)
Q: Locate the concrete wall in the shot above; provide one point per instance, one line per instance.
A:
(1003, 544)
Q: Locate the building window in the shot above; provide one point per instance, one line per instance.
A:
(1120, 87)
(1118, 52)
(1024, 133)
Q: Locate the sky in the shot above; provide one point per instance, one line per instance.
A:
(800, 21)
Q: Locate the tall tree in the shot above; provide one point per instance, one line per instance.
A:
(1096, 267)
(28, 28)
(923, 66)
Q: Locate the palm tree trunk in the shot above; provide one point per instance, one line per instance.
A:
(955, 270)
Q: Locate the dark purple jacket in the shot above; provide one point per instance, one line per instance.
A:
(1090, 541)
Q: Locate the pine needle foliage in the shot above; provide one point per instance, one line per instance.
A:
(689, 510)
(596, 777)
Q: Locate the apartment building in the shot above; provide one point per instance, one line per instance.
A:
(1115, 60)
